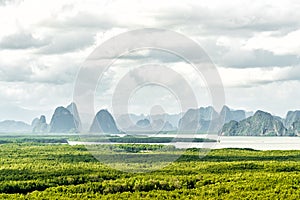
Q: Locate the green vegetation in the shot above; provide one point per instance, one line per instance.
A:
(140, 139)
(60, 171)
(50, 138)
(134, 148)
(32, 139)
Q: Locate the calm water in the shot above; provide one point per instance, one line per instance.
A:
(258, 143)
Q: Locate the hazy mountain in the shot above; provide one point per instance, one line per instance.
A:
(227, 114)
(292, 122)
(19, 113)
(295, 128)
(104, 123)
(152, 126)
(14, 126)
(291, 117)
(197, 119)
(39, 125)
(161, 125)
(63, 121)
(143, 123)
(208, 120)
(260, 124)
(172, 119)
(73, 109)
(208, 113)
(35, 121)
(190, 120)
(127, 121)
(203, 119)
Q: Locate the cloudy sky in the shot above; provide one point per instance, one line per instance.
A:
(254, 44)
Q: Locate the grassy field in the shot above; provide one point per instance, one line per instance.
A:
(60, 171)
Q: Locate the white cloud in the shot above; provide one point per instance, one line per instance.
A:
(34, 97)
(68, 42)
(276, 97)
(21, 40)
(250, 77)
(256, 43)
(35, 69)
(279, 45)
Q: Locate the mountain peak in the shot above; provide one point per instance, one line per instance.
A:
(63, 121)
(260, 113)
(73, 109)
(104, 123)
(40, 125)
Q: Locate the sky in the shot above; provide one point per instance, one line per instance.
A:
(254, 44)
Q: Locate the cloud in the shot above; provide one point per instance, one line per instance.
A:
(13, 112)
(253, 77)
(68, 42)
(256, 58)
(21, 40)
(234, 52)
(231, 17)
(279, 45)
(275, 97)
(7, 2)
(8, 73)
(254, 42)
(81, 20)
(35, 97)
(39, 70)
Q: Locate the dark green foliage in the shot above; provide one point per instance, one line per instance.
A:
(43, 171)
(132, 139)
(3, 141)
(32, 139)
(135, 148)
(41, 140)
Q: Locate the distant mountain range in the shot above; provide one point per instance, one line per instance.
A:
(14, 126)
(264, 124)
(206, 119)
(227, 122)
(163, 122)
(155, 125)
